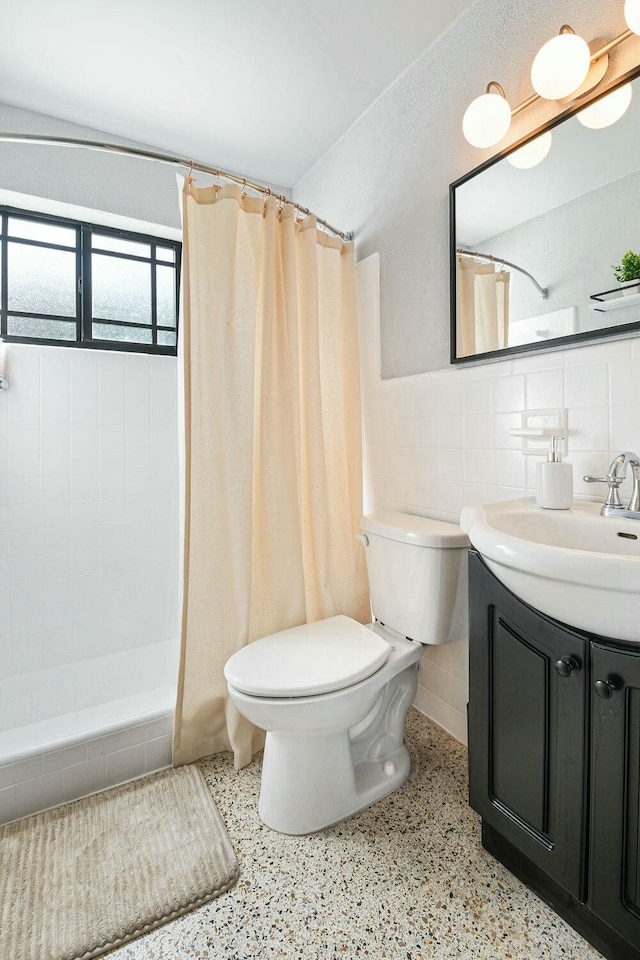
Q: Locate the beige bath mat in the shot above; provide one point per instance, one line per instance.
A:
(91, 875)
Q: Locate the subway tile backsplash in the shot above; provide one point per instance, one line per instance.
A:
(465, 454)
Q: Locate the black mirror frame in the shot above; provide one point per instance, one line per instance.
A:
(605, 333)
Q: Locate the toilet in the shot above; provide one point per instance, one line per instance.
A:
(333, 695)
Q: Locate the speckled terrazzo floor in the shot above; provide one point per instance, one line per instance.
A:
(405, 880)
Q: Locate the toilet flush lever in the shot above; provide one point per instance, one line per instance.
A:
(363, 538)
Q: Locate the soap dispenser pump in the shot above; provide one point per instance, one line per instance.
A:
(554, 480)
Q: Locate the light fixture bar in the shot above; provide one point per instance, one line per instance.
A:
(600, 52)
(612, 43)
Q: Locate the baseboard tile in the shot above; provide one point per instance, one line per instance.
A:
(442, 713)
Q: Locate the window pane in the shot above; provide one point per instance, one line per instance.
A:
(42, 231)
(166, 339)
(104, 331)
(166, 254)
(102, 242)
(166, 296)
(41, 280)
(121, 289)
(42, 329)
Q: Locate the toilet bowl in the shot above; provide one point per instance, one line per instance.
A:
(333, 695)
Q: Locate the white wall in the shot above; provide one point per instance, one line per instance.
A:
(438, 440)
(121, 185)
(89, 547)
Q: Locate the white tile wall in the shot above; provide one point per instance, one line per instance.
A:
(89, 528)
(86, 766)
(470, 457)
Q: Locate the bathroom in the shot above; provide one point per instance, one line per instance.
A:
(108, 438)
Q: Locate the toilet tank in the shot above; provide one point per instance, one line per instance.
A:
(417, 576)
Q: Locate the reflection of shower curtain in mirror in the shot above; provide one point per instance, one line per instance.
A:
(483, 307)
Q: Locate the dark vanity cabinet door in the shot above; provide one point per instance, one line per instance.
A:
(615, 789)
(527, 728)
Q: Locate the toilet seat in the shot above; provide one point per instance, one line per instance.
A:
(308, 660)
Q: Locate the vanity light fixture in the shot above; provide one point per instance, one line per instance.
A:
(632, 15)
(561, 65)
(606, 110)
(532, 153)
(487, 118)
(565, 69)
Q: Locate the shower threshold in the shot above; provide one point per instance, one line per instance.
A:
(79, 753)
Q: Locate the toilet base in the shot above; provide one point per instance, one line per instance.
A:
(313, 781)
(294, 794)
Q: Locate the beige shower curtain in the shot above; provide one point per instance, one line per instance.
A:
(273, 446)
(483, 308)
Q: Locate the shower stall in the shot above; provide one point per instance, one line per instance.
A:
(89, 571)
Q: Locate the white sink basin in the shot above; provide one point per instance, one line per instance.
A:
(573, 565)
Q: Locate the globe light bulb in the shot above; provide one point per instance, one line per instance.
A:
(532, 153)
(560, 66)
(632, 15)
(486, 120)
(606, 110)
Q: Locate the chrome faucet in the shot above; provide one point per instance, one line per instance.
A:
(613, 506)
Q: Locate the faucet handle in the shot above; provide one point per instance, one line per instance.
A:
(613, 482)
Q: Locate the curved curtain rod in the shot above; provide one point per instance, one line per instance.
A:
(488, 258)
(161, 158)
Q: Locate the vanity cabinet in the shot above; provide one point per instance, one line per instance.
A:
(614, 880)
(554, 760)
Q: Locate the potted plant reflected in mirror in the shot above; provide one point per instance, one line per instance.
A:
(628, 272)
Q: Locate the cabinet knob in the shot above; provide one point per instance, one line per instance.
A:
(605, 688)
(565, 666)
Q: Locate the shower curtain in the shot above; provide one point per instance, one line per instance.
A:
(273, 445)
(483, 308)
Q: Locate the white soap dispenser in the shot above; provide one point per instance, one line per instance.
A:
(554, 480)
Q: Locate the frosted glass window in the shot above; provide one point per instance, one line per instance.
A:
(44, 232)
(41, 329)
(67, 281)
(131, 247)
(106, 331)
(166, 296)
(41, 280)
(121, 289)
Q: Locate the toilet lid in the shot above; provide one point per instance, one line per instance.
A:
(314, 658)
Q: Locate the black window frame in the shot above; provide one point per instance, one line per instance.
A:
(84, 319)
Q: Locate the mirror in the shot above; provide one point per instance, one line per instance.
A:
(533, 250)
